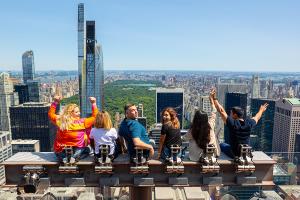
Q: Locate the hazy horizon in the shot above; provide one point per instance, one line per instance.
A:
(170, 35)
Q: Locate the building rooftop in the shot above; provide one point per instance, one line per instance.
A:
(33, 104)
(19, 141)
(293, 101)
(169, 90)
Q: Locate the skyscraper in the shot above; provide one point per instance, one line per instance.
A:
(264, 128)
(255, 93)
(5, 151)
(140, 109)
(170, 97)
(28, 66)
(99, 76)
(270, 89)
(7, 98)
(231, 100)
(92, 74)
(80, 44)
(286, 125)
(205, 104)
(30, 121)
(224, 88)
(23, 93)
(90, 67)
(33, 90)
(297, 149)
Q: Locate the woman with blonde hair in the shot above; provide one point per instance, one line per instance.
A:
(72, 131)
(103, 133)
(170, 133)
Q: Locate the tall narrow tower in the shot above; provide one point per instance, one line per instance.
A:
(90, 65)
(255, 87)
(99, 77)
(80, 44)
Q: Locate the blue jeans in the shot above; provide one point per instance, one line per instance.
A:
(226, 148)
(78, 153)
(166, 153)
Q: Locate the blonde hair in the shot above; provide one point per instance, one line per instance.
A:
(103, 120)
(65, 117)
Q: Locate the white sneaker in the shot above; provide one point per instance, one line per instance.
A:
(64, 160)
(72, 160)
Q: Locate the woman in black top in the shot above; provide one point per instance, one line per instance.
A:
(170, 133)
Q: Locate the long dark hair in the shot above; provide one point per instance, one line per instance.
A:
(200, 129)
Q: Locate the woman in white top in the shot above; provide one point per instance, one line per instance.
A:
(202, 132)
(103, 133)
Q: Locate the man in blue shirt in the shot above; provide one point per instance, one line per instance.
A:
(239, 128)
(134, 133)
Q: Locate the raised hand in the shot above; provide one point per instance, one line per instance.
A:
(57, 98)
(92, 100)
(263, 107)
(212, 94)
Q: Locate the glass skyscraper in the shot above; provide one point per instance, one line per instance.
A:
(264, 128)
(231, 100)
(99, 76)
(28, 66)
(23, 93)
(33, 90)
(170, 97)
(81, 45)
(30, 121)
(90, 65)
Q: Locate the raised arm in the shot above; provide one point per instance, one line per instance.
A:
(88, 122)
(51, 113)
(219, 107)
(212, 118)
(262, 109)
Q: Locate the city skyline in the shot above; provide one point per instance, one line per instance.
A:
(169, 35)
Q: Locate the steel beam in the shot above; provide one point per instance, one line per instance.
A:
(192, 172)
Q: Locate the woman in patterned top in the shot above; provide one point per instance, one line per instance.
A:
(72, 131)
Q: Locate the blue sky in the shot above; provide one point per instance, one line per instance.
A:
(223, 35)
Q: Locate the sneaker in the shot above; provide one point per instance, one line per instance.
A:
(64, 160)
(72, 161)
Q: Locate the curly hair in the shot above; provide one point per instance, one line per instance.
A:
(200, 129)
(174, 120)
(65, 117)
